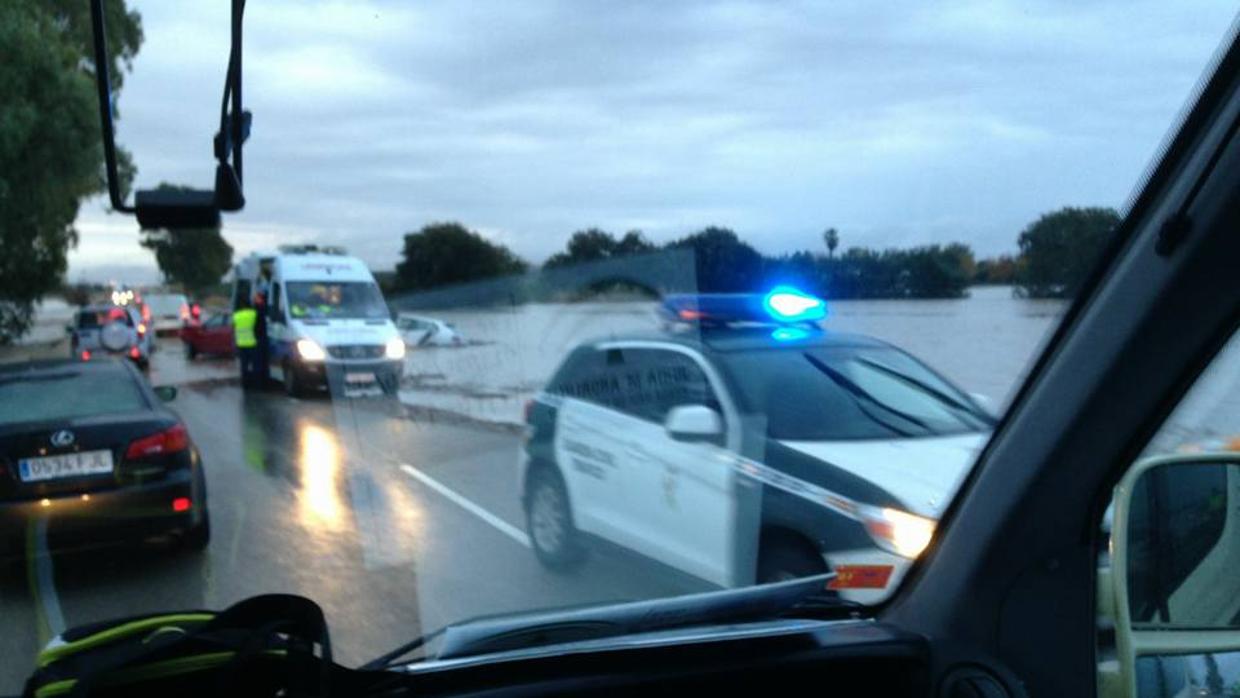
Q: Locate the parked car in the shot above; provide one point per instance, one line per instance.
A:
(99, 331)
(168, 312)
(418, 330)
(213, 336)
(91, 446)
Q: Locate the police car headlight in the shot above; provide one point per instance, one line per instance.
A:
(900, 532)
(395, 348)
(309, 350)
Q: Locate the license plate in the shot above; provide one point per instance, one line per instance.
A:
(65, 465)
(359, 378)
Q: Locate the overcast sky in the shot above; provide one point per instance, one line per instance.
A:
(897, 123)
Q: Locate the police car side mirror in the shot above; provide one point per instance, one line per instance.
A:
(1175, 555)
(693, 423)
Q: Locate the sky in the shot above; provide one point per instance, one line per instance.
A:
(898, 123)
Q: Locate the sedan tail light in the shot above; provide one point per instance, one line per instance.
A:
(162, 443)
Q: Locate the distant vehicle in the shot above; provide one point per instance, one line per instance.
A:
(100, 331)
(327, 323)
(92, 448)
(213, 336)
(754, 429)
(418, 330)
(169, 311)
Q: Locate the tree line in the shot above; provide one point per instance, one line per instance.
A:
(1056, 253)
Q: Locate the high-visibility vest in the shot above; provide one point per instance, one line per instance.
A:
(243, 328)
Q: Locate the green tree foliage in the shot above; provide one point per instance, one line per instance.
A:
(1059, 249)
(999, 270)
(592, 245)
(722, 261)
(51, 156)
(831, 238)
(195, 258)
(449, 253)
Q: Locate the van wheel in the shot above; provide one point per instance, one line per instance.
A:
(549, 520)
(292, 385)
(786, 558)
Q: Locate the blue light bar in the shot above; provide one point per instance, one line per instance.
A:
(787, 304)
(784, 305)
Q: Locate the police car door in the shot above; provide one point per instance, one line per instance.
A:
(684, 492)
(588, 448)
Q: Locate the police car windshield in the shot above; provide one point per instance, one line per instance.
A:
(336, 300)
(847, 393)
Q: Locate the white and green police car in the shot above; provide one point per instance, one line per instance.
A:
(746, 444)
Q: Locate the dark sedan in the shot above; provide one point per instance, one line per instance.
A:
(91, 447)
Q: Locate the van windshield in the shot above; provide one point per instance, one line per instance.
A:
(335, 299)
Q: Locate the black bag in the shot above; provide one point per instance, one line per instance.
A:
(261, 646)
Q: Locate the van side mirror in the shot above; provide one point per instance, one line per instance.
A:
(694, 423)
(166, 393)
(1175, 573)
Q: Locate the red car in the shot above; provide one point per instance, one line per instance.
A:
(214, 336)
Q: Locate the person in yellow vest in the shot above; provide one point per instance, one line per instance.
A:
(243, 319)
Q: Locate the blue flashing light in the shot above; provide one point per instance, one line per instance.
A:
(789, 334)
(787, 304)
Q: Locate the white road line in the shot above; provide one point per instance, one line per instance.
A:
(45, 580)
(487, 517)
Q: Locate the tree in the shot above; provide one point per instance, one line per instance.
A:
(1059, 249)
(195, 258)
(999, 270)
(831, 238)
(592, 245)
(722, 261)
(51, 155)
(448, 253)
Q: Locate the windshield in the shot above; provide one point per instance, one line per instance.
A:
(67, 395)
(335, 300)
(688, 297)
(851, 393)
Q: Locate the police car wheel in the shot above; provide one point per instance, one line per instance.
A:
(550, 522)
(292, 385)
(784, 560)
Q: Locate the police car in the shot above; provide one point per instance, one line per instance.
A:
(746, 444)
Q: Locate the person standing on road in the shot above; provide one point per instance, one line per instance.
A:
(244, 318)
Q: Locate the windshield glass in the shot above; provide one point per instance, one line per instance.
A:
(67, 395)
(335, 300)
(689, 296)
(866, 398)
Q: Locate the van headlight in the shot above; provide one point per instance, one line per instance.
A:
(395, 348)
(309, 350)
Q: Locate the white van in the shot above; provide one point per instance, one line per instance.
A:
(327, 323)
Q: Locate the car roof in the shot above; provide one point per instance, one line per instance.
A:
(740, 339)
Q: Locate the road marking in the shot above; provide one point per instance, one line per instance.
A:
(487, 517)
(41, 579)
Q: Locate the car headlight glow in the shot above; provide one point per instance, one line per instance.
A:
(309, 350)
(394, 349)
(898, 531)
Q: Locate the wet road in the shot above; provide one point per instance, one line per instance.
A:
(395, 524)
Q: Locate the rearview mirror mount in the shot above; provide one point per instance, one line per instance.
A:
(180, 209)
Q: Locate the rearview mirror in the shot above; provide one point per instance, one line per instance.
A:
(693, 423)
(167, 393)
(1176, 568)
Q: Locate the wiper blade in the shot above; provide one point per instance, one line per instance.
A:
(539, 629)
(858, 392)
(924, 387)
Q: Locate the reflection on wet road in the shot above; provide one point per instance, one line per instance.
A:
(315, 497)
